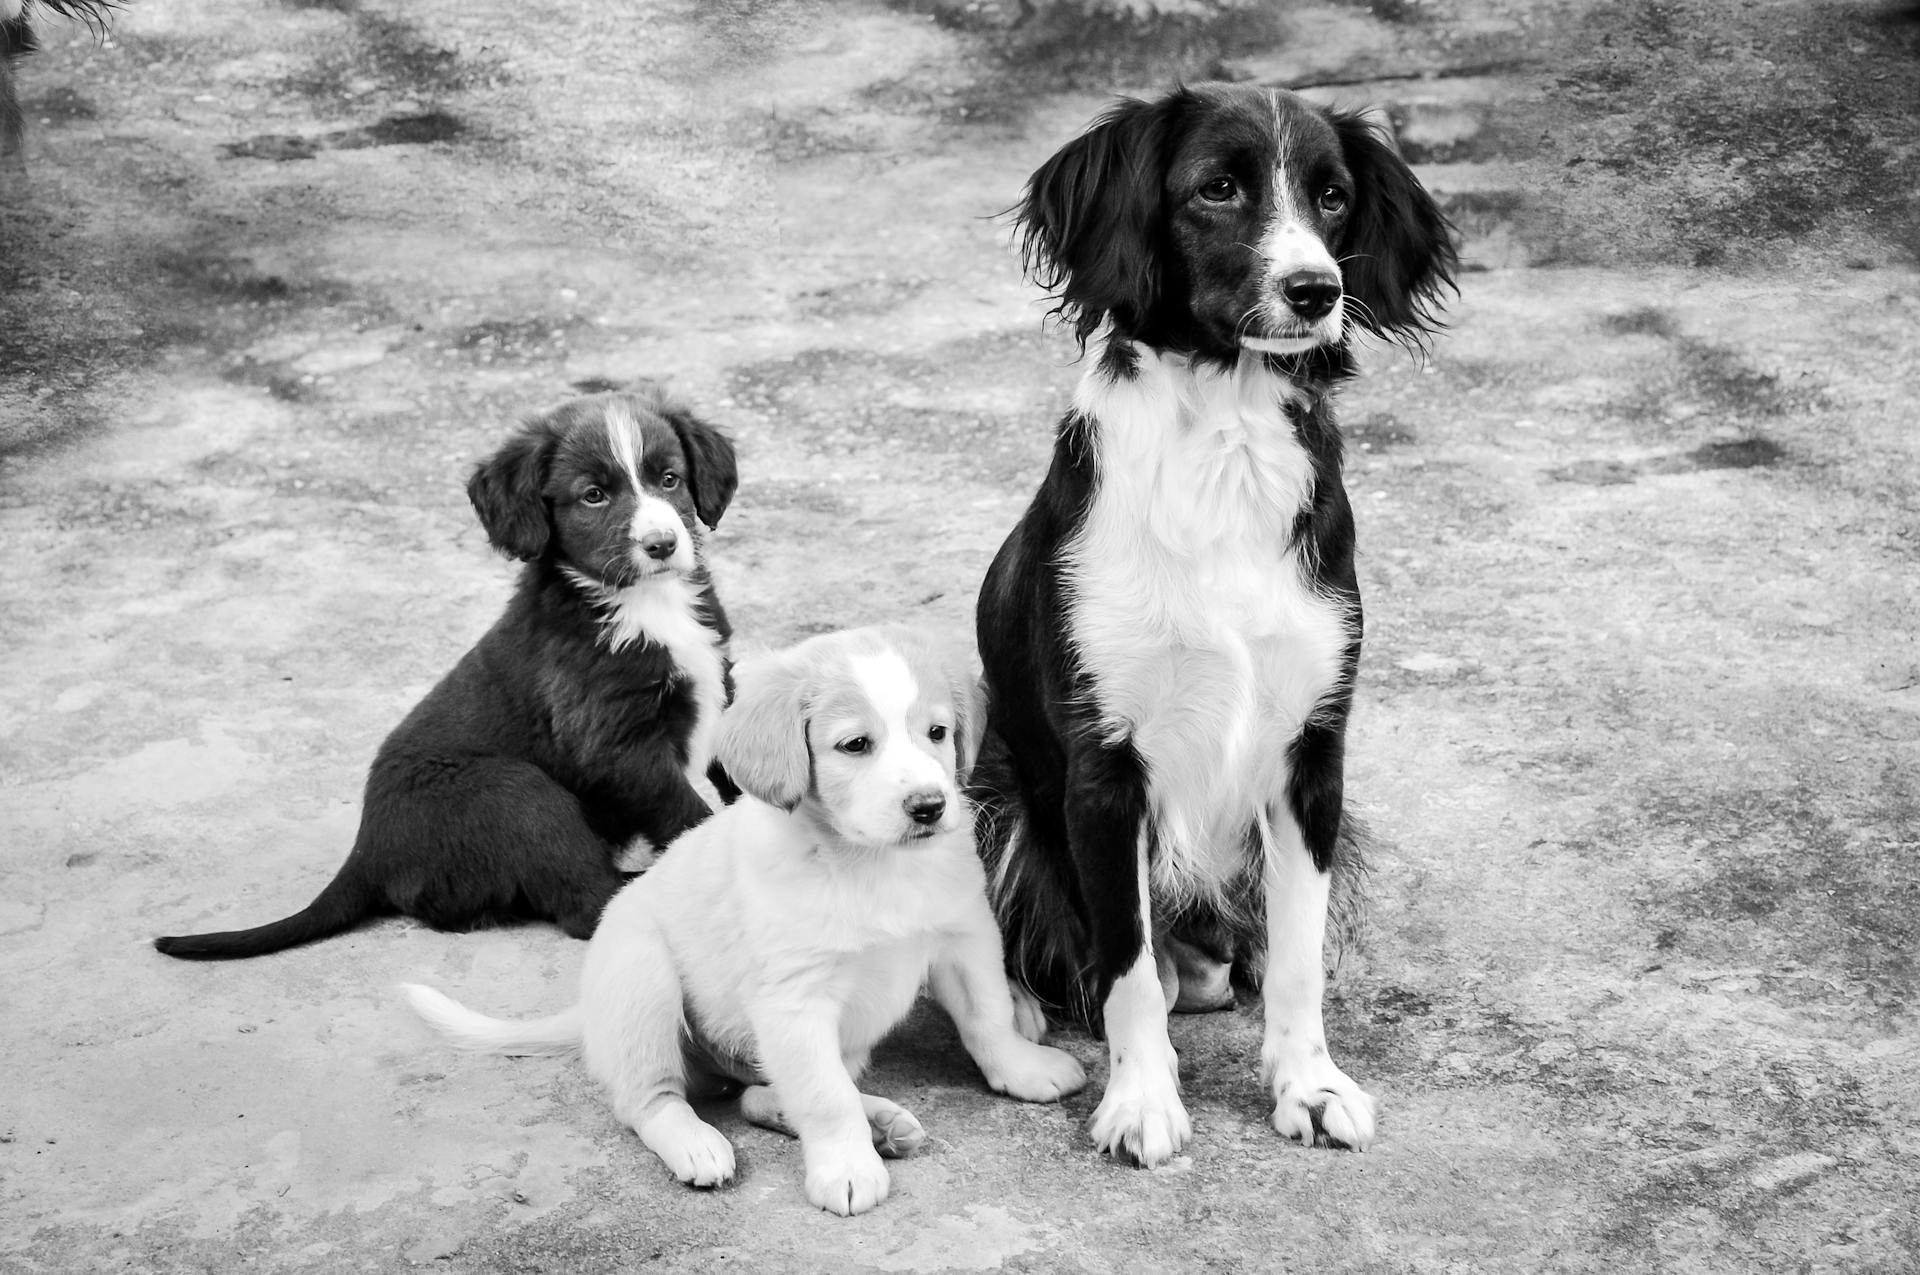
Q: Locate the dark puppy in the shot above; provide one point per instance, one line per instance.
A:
(583, 717)
(1171, 633)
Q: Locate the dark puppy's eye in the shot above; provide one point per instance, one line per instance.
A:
(669, 480)
(855, 746)
(594, 497)
(937, 734)
(1333, 200)
(1219, 190)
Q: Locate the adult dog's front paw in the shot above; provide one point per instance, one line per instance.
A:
(1141, 1116)
(1315, 1102)
(846, 1180)
(1038, 1073)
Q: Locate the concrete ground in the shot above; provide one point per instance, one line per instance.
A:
(1638, 718)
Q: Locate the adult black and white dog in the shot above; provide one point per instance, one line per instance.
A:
(1170, 633)
(581, 720)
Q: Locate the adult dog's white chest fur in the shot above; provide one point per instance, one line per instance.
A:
(1206, 643)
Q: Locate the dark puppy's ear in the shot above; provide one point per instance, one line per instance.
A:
(506, 492)
(763, 734)
(713, 472)
(1398, 255)
(1091, 222)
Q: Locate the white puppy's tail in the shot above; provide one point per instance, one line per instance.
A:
(467, 1029)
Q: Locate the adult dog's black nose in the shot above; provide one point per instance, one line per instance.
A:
(925, 807)
(1310, 293)
(659, 545)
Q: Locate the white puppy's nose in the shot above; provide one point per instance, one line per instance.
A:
(925, 805)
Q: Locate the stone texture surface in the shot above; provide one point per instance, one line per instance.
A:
(1640, 713)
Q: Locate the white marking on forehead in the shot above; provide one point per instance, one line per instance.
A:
(623, 436)
(889, 684)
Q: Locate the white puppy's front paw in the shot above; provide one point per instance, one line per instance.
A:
(846, 1180)
(1029, 1019)
(1038, 1073)
(1141, 1115)
(1314, 1101)
(699, 1156)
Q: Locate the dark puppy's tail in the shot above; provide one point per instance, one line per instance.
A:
(343, 904)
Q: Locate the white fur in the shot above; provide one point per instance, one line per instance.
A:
(1190, 606)
(893, 715)
(661, 609)
(1294, 1062)
(766, 947)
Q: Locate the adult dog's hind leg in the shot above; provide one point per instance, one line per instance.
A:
(632, 1043)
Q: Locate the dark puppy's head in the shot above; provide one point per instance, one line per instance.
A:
(614, 486)
(1227, 217)
(873, 730)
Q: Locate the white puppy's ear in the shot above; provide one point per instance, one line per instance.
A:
(763, 736)
(969, 720)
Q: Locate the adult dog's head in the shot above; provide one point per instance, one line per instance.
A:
(870, 731)
(1222, 218)
(616, 488)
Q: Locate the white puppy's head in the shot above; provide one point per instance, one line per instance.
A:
(871, 731)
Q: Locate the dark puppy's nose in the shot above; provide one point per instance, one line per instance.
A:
(1310, 293)
(925, 807)
(659, 545)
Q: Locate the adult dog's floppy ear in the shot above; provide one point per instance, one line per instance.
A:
(1397, 256)
(1090, 224)
(763, 735)
(506, 491)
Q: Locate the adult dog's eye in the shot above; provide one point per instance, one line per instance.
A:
(669, 480)
(1219, 190)
(594, 497)
(855, 746)
(937, 734)
(1333, 200)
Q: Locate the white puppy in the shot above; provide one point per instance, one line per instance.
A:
(775, 944)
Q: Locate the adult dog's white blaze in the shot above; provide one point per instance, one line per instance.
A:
(1191, 608)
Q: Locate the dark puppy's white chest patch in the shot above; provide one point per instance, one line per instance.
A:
(1206, 640)
(665, 611)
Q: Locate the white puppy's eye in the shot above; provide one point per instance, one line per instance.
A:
(669, 480)
(937, 734)
(593, 497)
(855, 746)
